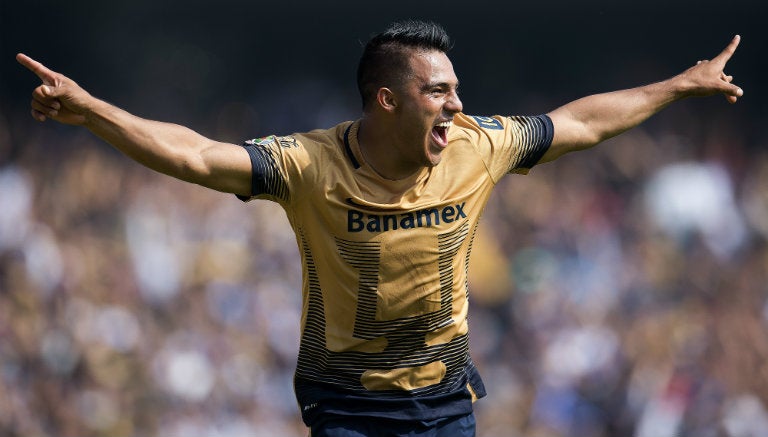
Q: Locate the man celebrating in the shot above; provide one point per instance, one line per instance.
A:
(384, 210)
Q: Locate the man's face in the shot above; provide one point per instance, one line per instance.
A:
(427, 102)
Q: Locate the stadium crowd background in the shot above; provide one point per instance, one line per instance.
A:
(619, 291)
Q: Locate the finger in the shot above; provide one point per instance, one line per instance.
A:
(37, 115)
(45, 74)
(44, 94)
(726, 54)
(47, 110)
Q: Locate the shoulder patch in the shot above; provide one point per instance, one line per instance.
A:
(263, 141)
(287, 142)
(488, 122)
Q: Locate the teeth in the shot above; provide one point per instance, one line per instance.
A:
(445, 124)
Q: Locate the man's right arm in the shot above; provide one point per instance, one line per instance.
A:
(164, 147)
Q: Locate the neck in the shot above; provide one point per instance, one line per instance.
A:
(378, 144)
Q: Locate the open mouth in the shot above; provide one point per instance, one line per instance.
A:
(440, 133)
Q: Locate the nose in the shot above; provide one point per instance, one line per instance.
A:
(453, 103)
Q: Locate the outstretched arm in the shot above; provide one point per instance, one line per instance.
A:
(165, 147)
(585, 122)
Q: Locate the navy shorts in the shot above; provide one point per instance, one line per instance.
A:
(354, 426)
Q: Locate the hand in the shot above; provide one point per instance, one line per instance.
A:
(707, 77)
(58, 98)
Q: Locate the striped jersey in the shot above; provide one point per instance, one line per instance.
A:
(385, 297)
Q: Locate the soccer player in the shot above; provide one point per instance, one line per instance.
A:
(384, 209)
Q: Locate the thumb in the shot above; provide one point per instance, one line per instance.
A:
(733, 91)
(51, 91)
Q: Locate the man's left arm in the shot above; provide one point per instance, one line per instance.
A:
(587, 121)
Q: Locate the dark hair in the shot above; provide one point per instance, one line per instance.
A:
(385, 57)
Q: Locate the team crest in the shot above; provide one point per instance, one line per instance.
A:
(488, 122)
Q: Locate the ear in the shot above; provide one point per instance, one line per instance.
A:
(386, 99)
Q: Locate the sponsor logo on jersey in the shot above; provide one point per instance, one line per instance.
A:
(358, 221)
(488, 122)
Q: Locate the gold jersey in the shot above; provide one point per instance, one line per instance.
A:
(385, 296)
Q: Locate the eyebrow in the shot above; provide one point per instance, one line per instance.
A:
(430, 85)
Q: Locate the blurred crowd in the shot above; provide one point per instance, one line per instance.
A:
(618, 291)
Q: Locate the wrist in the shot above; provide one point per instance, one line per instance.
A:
(676, 88)
(95, 111)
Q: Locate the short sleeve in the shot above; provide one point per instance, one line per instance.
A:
(510, 144)
(274, 167)
(532, 138)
